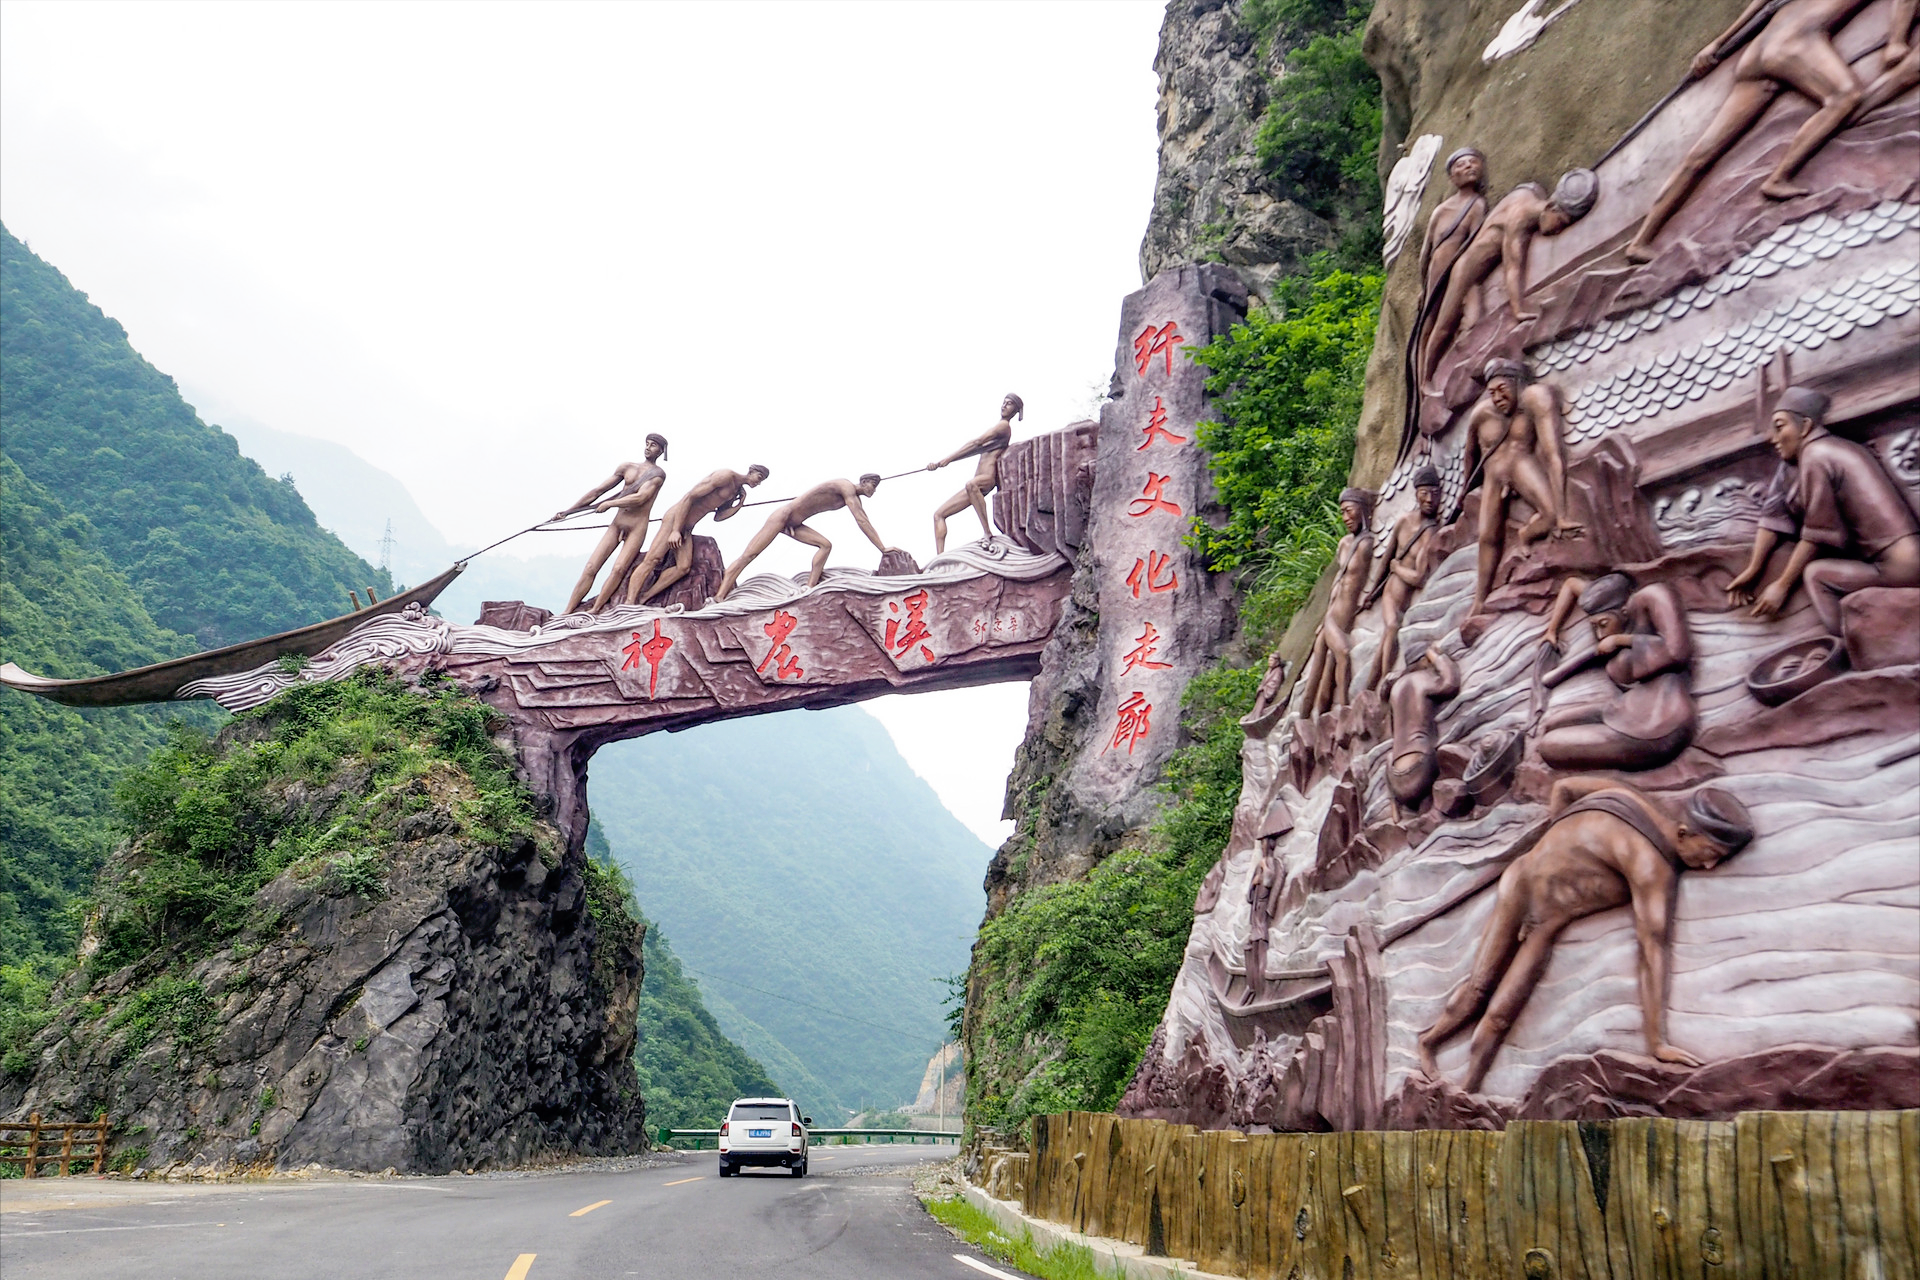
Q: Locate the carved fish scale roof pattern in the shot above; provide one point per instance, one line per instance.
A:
(1670, 378)
(1667, 379)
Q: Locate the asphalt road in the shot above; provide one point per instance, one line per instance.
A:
(854, 1215)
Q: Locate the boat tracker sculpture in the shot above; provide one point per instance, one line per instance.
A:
(568, 685)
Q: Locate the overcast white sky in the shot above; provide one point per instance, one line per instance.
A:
(489, 246)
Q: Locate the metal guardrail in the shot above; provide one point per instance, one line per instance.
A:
(817, 1137)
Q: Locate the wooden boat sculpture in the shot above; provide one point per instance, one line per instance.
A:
(164, 681)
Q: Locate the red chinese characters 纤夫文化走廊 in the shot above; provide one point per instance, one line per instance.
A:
(1152, 573)
(1156, 340)
(1152, 497)
(1156, 428)
(1131, 723)
(1144, 647)
(780, 654)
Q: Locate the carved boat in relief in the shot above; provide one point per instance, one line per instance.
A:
(161, 681)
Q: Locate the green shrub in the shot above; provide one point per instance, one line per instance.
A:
(1320, 137)
(173, 1004)
(211, 822)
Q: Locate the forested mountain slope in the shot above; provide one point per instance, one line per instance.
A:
(67, 611)
(214, 546)
(689, 1070)
(814, 882)
(133, 532)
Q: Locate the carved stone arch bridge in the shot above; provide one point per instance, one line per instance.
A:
(569, 685)
(1124, 490)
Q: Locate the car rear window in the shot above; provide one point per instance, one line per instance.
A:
(761, 1112)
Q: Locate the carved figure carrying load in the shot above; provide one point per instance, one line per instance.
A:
(1502, 244)
(1793, 50)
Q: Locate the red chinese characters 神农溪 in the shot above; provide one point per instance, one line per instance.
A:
(652, 650)
(1156, 341)
(1141, 655)
(1156, 428)
(1154, 573)
(1151, 498)
(901, 639)
(780, 653)
(1132, 723)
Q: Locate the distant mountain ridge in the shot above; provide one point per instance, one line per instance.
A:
(215, 547)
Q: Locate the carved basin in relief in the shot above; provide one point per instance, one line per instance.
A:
(1793, 669)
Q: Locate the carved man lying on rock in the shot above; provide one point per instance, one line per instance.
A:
(1610, 845)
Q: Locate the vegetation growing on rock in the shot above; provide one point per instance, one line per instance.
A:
(1069, 979)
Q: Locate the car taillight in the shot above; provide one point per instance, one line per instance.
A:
(723, 1127)
(796, 1129)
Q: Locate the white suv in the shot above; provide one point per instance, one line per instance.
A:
(765, 1131)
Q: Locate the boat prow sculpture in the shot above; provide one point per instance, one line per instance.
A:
(180, 678)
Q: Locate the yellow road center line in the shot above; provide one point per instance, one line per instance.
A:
(682, 1181)
(521, 1265)
(597, 1204)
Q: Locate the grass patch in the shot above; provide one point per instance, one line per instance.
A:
(1061, 1262)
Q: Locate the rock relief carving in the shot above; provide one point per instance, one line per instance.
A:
(1852, 528)
(1402, 562)
(1329, 668)
(1782, 48)
(1406, 184)
(1514, 449)
(1502, 245)
(1643, 644)
(1608, 845)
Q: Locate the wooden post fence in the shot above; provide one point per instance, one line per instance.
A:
(1764, 1195)
(29, 1144)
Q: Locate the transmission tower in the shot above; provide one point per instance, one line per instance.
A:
(386, 549)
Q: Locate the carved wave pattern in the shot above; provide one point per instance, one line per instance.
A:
(1667, 379)
(1699, 516)
(381, 640)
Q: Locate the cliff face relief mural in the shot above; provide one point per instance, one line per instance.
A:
(1610, 804)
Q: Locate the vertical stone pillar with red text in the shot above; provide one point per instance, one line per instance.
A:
(1162, 615)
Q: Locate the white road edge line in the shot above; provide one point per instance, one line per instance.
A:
(150, 1226)
(983, 1268)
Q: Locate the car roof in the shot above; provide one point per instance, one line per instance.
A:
(762, 1101)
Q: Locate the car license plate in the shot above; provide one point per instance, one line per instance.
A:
(759, 1133)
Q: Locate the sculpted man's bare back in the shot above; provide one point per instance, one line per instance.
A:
(720, 495)
(791, 517)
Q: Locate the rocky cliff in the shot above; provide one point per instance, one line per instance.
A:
(459, 990)
(1213, 200)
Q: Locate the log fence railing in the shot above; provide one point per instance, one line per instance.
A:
(32, 1144)
(1765, 1194)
